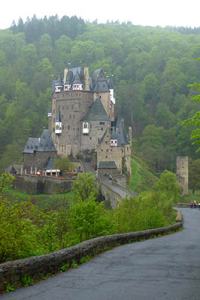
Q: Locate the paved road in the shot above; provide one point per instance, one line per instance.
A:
(162, 268)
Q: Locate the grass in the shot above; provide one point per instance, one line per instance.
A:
(142, 178)
(190, 197)
(43, 201)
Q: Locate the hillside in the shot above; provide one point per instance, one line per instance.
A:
(142, 179)
(150, 68)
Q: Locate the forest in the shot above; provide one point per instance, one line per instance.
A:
(151, 68)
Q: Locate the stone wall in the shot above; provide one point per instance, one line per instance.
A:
(120, 155)
(97, 130)
(73, 106)
(37, 160)
(36, 267)
(42, 185)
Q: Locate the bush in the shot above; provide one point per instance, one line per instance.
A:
(18, 235)
(168, 185)
(85, 187)
(89, 219)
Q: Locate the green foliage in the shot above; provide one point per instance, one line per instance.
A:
(10, 288)
(89, 219)
(194, 175)
(151, 88)
(6, 181)
(141, 178)
(26, 280)
(27, 229)
(85, 187)
(64, 267)
(168, 185)
(74, 264)
(138, 214)
(194, 120)
(64, 164)
(18, 233)
(85, 259)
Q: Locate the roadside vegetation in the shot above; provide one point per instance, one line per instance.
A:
(29, 229)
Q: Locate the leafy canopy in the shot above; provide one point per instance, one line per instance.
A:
(85, 187)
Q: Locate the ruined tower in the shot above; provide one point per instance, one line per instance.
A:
(182, 173)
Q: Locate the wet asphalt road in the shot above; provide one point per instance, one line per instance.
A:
(158, 269)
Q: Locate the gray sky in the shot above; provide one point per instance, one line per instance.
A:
(143, 12)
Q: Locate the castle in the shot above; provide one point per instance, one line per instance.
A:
(82, 121)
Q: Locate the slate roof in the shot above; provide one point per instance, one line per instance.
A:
(75, 75)
(42, 144)
(77, 79)
(107, 165)
(31, 145)
(96, 112)
(55, 83)
(118, 133)
(99, 82)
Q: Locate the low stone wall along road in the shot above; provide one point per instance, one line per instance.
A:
(162, 268)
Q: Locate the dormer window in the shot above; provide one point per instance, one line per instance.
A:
(77, 87)
(113, 143)
(58, 88)
(67, 87)
(85, 128)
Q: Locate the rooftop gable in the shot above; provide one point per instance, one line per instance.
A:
(96, 112)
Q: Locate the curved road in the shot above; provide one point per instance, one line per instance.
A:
(162, 268)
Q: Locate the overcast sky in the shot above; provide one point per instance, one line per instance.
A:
(142, 12)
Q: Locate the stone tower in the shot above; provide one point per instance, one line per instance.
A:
(182, 173)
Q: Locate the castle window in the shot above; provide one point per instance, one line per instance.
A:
(68, 127)
(90, 138)
(85, 128)
(72, 106)
(102, 123)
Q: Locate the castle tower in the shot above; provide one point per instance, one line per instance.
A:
(182, 173)
(70, 102)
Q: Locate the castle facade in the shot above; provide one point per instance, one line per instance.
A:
(82, 119)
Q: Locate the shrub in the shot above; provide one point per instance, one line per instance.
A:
(85, 187)
(89, 219)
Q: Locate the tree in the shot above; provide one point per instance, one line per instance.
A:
(194, 121)
(6, 181)
(168, 185)
(194, 175)
(64, 164)
(89, 219)
(85, 187)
